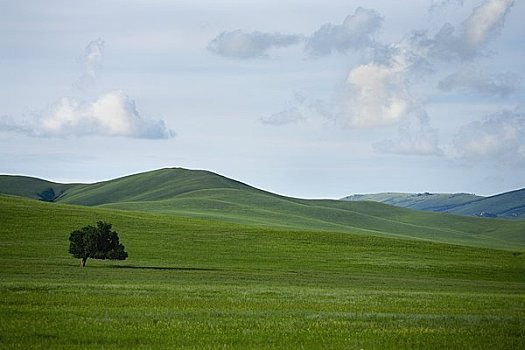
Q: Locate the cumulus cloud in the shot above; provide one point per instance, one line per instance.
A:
(485, 21)
(379, 92)
(354, 33)
(112, 114)
(470, 79)
(499, 138)
(377, 95)
(91, 60)
(467, 41)
(242, 45)
(383, 90)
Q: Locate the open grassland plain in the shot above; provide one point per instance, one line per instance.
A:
(194, 283)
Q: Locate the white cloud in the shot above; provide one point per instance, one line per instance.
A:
(470, 79)
(354, 33)
(377, 95)
(91, 60)
(467, 42)
(498, 138)
(485, 21)
(241, 45)
(113, 114)
(379, 92)
(383, 90)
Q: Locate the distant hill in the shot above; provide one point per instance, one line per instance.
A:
(198, 193)
(420, 201)
(509, 205)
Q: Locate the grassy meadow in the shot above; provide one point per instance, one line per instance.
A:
(197, 283)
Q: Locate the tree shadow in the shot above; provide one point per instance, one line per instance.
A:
(164, 268)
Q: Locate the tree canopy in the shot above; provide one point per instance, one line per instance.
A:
(96, 242)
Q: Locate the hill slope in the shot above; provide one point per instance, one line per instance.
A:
(363, 217)
(200, 284)
(31, 187)
(204, 194)
(150, 186)
(509, 205)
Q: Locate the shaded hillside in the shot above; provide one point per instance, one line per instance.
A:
(420, 201)
(509, 205)
(31, 187)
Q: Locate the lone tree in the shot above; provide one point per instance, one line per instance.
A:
(97, 243)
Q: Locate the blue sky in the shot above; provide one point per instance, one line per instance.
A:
(303, 98)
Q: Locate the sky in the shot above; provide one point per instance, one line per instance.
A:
(311, 99)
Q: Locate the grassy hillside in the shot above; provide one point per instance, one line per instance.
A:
(509, 205)
(149, 186)
(367, 217)
(31, 187)
(204, 194)
(168, 186)
(197, 283)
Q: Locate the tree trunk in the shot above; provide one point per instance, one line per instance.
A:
(83, 262)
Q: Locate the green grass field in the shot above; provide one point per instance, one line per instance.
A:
(196, 283)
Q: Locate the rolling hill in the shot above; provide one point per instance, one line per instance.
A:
(33, 188)
(197, 193)
(194, 283)
(509, 205)
(149, 186)
(215, 263)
